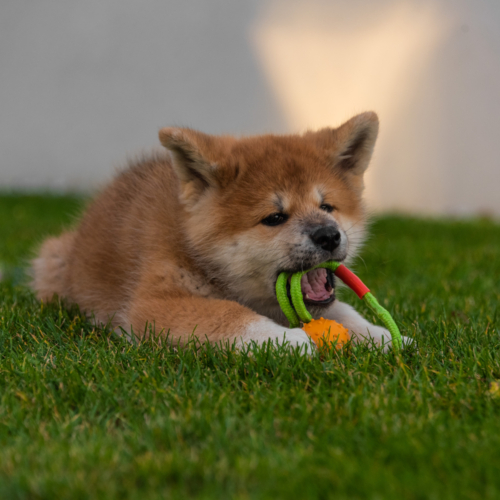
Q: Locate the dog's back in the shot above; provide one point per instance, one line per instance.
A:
(98, 265)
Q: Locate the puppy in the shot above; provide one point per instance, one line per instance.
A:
(193, 241)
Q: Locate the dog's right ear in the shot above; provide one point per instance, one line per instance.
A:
(191, 160)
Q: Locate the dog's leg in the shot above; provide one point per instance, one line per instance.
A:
(209, 319)
(361, 330)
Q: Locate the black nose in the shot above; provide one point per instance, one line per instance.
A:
(326, 237)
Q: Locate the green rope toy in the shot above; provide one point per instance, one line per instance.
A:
(298, 312)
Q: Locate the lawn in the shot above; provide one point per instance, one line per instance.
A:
(84, 414)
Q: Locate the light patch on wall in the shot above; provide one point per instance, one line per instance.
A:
(327, 63)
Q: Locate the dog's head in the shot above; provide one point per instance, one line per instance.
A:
(257, 206)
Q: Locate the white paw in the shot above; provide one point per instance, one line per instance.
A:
(263, 330)
(380, 336)
(407, 341)
(296, 337)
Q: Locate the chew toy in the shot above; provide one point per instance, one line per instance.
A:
(326, 330)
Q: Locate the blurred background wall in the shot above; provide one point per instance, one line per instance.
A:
(84, 84)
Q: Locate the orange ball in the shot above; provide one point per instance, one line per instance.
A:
(326, 330)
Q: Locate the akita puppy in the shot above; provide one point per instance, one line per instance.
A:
(193, 241)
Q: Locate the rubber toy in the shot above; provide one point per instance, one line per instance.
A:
(327, 330)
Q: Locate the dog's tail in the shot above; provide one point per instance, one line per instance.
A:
(50, 269)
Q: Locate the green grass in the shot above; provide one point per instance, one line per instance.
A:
(86, 415)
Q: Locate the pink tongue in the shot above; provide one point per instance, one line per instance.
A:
(313, 285)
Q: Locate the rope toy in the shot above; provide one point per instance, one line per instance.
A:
(323, 330)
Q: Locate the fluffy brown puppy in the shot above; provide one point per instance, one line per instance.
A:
(194, 240)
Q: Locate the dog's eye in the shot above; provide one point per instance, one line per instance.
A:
(326, 207)
(275, 219)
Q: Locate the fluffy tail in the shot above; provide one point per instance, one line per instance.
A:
(50, 268)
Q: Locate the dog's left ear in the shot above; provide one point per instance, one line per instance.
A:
(350, 146)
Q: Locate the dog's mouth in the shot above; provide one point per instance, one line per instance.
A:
(318, 287)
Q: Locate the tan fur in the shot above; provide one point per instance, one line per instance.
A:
(50, 268)
(176, 241)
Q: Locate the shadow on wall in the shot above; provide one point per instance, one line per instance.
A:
(431, 69)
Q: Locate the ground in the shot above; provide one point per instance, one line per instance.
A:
(84, 414)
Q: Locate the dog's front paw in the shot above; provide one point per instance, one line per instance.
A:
(296, 337)
(266, 330)
(407, 341)
(381, 337)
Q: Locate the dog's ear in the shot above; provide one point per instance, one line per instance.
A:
(350, 146)
(192, 160)
(189, 162)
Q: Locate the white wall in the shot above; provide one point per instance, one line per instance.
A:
(82, 84)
